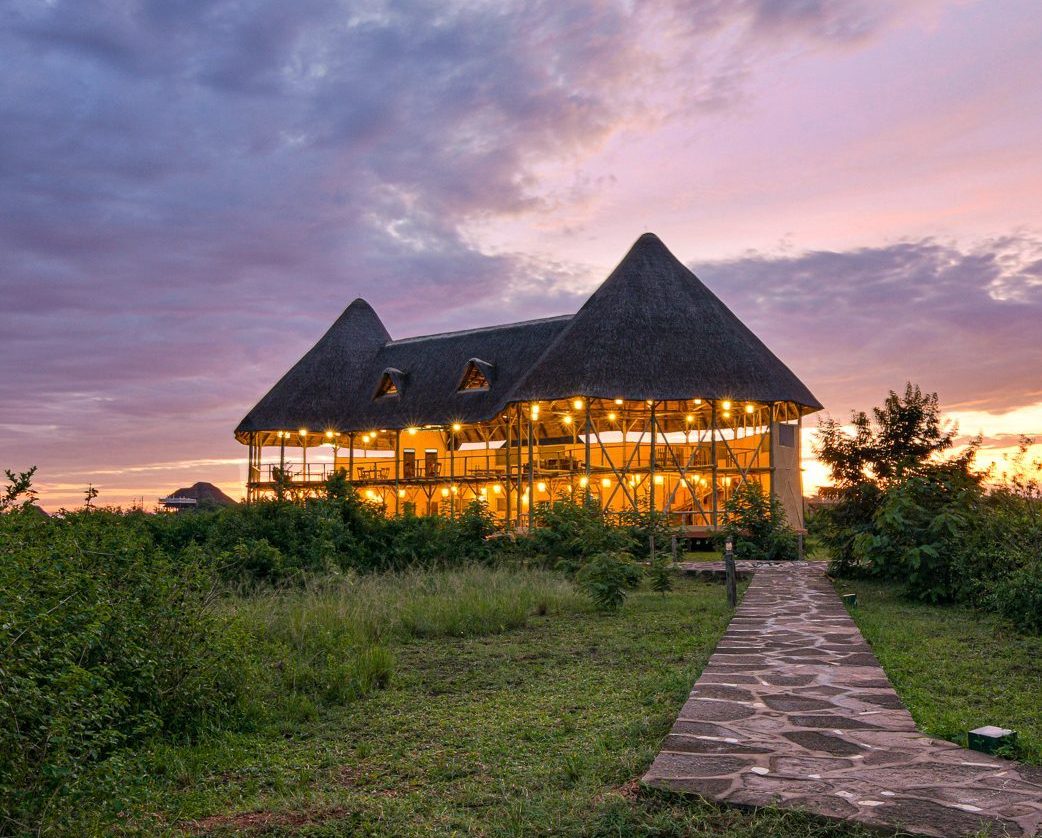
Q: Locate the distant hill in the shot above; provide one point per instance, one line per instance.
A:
(199, 495)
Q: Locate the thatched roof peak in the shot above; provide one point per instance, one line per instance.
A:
(319, 389)
(652, 330)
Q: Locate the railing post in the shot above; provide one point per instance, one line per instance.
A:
(730, 573)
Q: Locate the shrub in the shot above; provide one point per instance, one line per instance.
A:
(755, 521)
(568, 533)
(107, 642)
(606, 578)
(660, 574)
(1018, 597)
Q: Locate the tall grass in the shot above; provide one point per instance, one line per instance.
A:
(332, 641)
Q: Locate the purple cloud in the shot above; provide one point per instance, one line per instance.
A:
(191, 192)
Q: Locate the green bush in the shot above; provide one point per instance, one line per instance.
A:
(660, 573)
(606, 578)
(1018, 597)
(755, 522)
(567, 534)
(107, 642)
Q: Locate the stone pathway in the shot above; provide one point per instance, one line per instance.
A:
(793, 710)
(744, 569)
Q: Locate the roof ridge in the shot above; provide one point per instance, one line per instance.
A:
(479, 329)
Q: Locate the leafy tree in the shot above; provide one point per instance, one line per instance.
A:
(899, 439)
(19, 486)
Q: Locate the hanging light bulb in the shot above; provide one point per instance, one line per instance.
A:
(605, 482)
(618, 401)
(578, 404)
(567, 420)
(584, 481)
(457, 427)
(612, 417)
(540, 486)
(749, 408)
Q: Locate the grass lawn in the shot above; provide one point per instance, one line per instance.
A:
(955, 668)
(542, 730)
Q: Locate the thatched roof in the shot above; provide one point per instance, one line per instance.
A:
(654, 331)
(651, 331)
(204, 494)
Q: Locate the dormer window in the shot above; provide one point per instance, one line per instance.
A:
(475, 376)
(390, 384)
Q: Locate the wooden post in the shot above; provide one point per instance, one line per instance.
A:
(531, 469)
(589, 431)
(282, 452)
(730, 573)
(712, 456)
(304, 454)
(673, 548)
(452, 472)
(397, 470)
(351, 458)
(651, 468)
(510, 475)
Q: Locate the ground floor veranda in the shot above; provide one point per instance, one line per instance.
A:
(681, 458)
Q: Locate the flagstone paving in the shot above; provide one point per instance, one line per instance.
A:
(794, 710)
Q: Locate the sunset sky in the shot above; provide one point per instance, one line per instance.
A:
(191, 192)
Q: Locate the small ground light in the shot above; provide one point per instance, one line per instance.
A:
(850, 600)
(991, 739)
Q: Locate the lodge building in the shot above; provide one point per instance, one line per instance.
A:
(653, 396)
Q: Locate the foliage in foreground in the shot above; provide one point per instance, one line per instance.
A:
(903, 512)
(106, 642)
(755, 522)
(110, 644)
